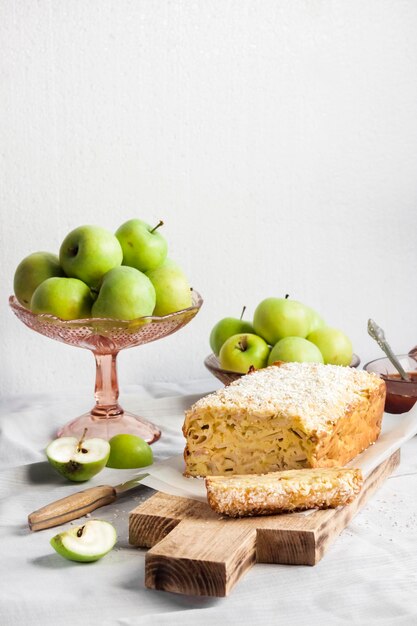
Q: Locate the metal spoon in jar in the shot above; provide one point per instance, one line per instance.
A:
(378, 334)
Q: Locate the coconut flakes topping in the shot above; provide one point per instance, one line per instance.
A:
(313, 392)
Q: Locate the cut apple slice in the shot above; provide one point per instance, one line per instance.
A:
(78, 460)
(85, 543)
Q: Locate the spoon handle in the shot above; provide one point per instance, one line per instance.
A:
(378, 334)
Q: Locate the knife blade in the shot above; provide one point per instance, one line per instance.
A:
(79, 504)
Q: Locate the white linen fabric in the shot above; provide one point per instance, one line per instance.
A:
(368, 576)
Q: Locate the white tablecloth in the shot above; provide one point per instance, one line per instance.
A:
(369, 575)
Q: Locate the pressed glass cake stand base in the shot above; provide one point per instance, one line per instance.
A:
(107, 418)
(105, 338)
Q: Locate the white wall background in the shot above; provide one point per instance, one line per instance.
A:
(277, 139)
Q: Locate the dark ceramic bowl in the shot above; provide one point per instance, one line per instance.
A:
(227, 377)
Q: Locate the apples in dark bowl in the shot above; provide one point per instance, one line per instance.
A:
(282, 329)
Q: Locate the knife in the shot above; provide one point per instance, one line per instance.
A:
(79, 504)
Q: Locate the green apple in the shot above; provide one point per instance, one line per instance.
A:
(129, 451)
(276, 318)
(125, 294)
(89, 252)
(78, 459)
(227, 327)
(295, 349)
(67, 298)
(242, 351)
(316, 322)
(172, 289)
(143, 246)
(86, 543)
(334, 345)
(32, 271)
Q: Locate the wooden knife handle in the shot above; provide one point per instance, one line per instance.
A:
(71, 507)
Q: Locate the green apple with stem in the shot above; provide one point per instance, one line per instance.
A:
(172, 288)
(125, 294)
(128, 451)
(227, 327)
(78, 459)
(334, 345)
(31, 272)
(66, 298)
(276, 318)
(86, 543)
(89, 252)
(143, 245)
(243, 351)
(295, 349)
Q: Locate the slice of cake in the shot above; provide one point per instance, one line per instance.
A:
(286, 416)
(282, 492)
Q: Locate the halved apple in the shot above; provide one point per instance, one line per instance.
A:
(85, 543)
(78, 460)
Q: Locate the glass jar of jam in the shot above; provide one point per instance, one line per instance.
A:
(401, 394)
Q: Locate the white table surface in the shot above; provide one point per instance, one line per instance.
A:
(368, 576)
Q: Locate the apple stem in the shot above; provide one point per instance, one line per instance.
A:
(287, 295)
(80, 531)
(80, 443)
(243, 344)
(243, 312)
(160, 223)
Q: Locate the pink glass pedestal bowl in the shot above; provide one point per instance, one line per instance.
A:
(105, 338)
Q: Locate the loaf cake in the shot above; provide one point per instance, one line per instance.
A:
(286, 416)
(282, 492)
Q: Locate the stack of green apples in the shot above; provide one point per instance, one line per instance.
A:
(282, 330)
(121, 276)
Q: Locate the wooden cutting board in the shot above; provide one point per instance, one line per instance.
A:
(194, 551)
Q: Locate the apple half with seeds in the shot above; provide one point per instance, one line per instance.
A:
(78, 460)
(85, 543)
